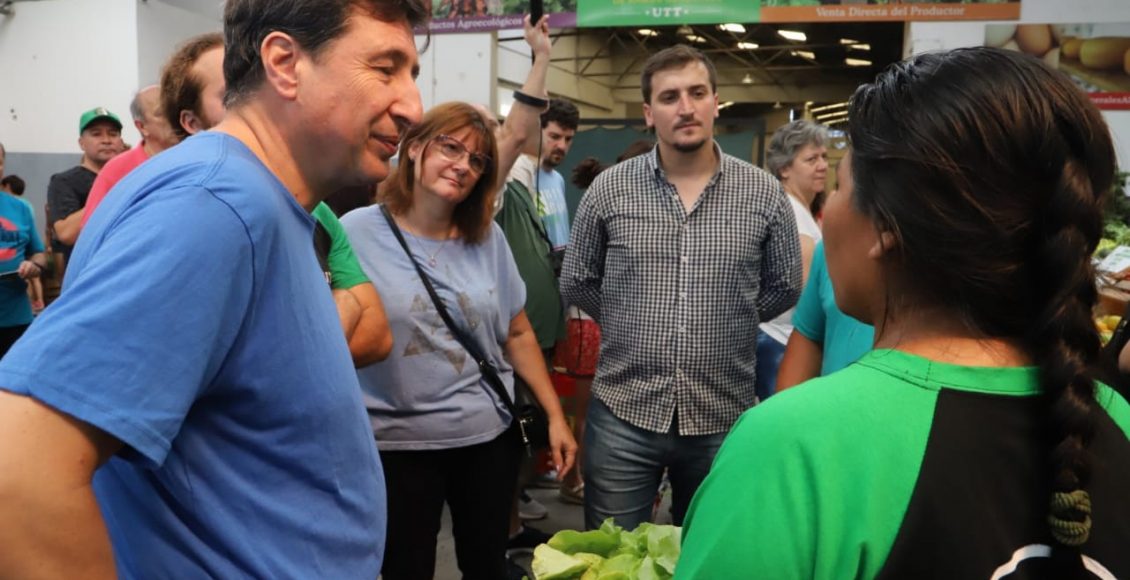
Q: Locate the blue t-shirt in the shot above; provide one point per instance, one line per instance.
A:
(428, 393)
(548, 188)
(196, 327)
(845, 339)
(19, 239)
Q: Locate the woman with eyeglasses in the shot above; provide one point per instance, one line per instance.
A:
(443, 433)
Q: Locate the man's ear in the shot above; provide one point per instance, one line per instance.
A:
(885, 243)
(190, 122)
(140, 128)
(280, 55)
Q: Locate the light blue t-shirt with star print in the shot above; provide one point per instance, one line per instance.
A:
(428, 394)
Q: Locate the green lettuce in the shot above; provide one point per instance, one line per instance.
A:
(649, 552)
(551, 564)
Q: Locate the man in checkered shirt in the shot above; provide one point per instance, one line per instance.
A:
(678, 254)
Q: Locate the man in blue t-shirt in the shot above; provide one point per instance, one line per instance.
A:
(188, 407)
(540, 177)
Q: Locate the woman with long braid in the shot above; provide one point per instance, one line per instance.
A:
(973, 441)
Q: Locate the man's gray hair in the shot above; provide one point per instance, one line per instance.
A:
(792, 138)
(135, 109)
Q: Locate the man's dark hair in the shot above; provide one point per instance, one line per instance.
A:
(676, 56)
(312, 23)
(562, 112)
(180, 87)
(14, 184)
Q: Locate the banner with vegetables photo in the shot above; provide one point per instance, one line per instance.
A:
(1096, 56)
(487, 15)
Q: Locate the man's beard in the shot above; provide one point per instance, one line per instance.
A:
(552, 160)
(689, 147)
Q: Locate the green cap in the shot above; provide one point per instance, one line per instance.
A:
(97, 114)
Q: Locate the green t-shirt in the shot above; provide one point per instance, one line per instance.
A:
(899, 467)
(336, 255)
(525, 233)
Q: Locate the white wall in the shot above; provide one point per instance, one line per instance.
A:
(161, 27)
(923, 36)
(457, 67)
(59, 58)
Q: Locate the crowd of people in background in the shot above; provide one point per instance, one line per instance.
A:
(242, 377)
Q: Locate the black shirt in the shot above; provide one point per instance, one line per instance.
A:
(67, 194)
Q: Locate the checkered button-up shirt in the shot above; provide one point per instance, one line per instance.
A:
(679, 294)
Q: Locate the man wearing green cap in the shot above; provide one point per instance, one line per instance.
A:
(99, 133)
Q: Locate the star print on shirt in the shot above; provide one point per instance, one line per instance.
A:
(430, 335)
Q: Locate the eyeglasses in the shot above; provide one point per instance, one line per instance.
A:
(453, 149)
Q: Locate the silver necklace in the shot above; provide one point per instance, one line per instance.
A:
(432, 256)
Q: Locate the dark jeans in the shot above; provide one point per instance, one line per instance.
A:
(9, 335)
(476, 482)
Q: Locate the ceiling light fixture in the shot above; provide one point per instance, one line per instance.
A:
(794, 35)
(725, 105)
(732, 27)
(829, 107)
(684, 30)
(777, 105)
(647, 32)
(848, 41)
(835, 115)
(860, 46)
(857, 62)
(696, 38)
(747, 79)
(806, 54)
(747, 45)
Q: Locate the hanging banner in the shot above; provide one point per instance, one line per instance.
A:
(597, 13)
(486, 15)
(1095, 56)
(887, 10)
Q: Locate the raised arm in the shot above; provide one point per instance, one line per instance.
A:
(521, 130)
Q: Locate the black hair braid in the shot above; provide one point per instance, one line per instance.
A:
(1013, 164)
(1066, 347)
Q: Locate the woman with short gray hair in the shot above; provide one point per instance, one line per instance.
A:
(798, 157)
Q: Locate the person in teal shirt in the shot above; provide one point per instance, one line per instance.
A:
(824, 339)
(973, 441)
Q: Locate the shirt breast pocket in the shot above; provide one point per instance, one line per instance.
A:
(639, 238)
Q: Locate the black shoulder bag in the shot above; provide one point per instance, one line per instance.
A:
(533, 424)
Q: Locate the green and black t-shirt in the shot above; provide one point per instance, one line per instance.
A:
(901, 467)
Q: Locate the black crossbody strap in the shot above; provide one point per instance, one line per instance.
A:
(485, 367)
